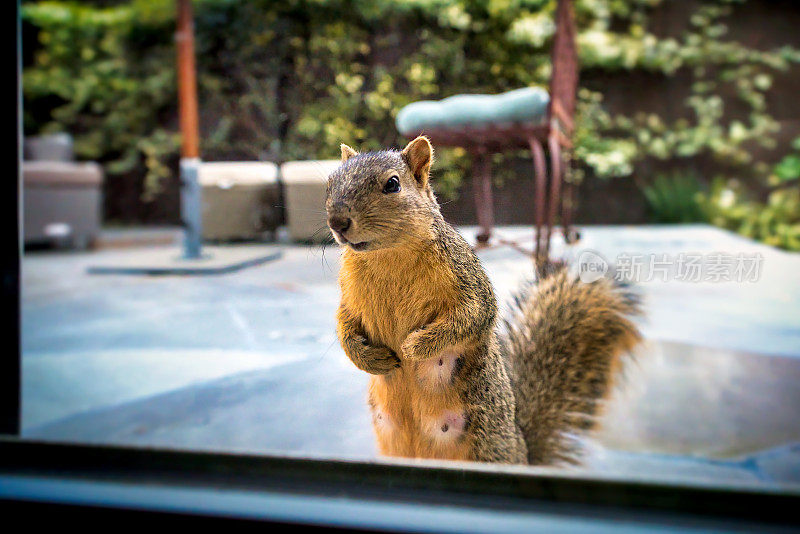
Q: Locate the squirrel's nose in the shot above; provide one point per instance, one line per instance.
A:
(339, 224)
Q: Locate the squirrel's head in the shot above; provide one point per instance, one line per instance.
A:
(378, 200)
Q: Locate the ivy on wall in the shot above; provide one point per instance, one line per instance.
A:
(293, 79)
(612, 145)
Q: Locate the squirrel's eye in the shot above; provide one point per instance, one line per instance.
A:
(392, 185)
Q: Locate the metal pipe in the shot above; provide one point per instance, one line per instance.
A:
(191, 192)
(187, 82)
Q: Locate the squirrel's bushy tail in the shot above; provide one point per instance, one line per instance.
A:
(565, 340)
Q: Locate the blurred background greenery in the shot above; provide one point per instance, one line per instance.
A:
(689, 101)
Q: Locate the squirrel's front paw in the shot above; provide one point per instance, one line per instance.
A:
(416, 346)
(378, 360)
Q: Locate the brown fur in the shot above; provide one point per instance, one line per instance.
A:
(418, 312)
(565, 341)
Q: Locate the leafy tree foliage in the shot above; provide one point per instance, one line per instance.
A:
(293, 79)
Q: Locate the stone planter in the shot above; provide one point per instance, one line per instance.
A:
(241, 200)
(61, 202)
(305, 183)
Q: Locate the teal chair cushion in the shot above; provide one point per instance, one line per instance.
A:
(528, 105)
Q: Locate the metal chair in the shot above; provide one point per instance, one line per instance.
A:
(489, 134)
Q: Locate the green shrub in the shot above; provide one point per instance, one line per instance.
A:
(673, 198)
(788, 169)
(107, 76)
(775, 222)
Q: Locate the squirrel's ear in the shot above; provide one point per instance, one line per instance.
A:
(419, 156)
(347, 152)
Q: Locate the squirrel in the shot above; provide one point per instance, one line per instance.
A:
(419, 314)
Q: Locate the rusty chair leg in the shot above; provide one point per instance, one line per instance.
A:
(567, 209)
(540, 192)
(556, 175)
(482, 187)
(569, 192)
(566, 202)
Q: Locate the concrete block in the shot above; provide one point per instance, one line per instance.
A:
(241, 199)
(304, 188)
(62, 202)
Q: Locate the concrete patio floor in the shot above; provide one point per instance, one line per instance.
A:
(249, 361)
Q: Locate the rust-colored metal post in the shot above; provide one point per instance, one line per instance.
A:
(191, 192)
(187, 82)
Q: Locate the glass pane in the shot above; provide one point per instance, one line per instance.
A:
(126, 341)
